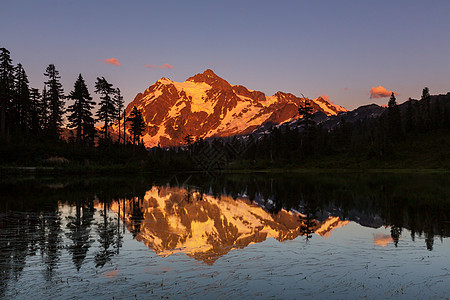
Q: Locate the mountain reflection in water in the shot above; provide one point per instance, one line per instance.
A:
(73, 237)
(171, 220)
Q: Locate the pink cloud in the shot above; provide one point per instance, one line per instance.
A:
(380, 92)
(166, 66)
(111, 61)
(346, 89)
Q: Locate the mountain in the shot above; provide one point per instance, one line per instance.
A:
(369, 111)
(206, 105)
(172, 220)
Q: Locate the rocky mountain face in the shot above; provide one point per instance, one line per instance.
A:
(206, 105)
(326, 121)
(361, 113)
(172, 220)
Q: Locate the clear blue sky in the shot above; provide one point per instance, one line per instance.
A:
(338, 48)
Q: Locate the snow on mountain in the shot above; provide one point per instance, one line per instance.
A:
(175, 220)
(206, 105)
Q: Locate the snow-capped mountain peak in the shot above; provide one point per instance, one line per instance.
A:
(205, 105)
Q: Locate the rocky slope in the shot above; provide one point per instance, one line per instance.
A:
(206, 105)
(172, 220)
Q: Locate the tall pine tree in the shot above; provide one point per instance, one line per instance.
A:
(426, 109)
(394, 119)
(21, 102)
(409, 118)
(118, 99)
(307, 116)
(34, 117)
(43, 110)
(137, 124)
(80, 114)
(107, 111)
(55, 96)
(6, 88)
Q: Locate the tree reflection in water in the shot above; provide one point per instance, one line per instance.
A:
(78, 230)
(32, 222)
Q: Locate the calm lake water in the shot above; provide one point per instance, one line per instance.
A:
(238, 236)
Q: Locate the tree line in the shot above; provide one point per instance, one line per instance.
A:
(400, 201)
(26, 111)
(387, 139)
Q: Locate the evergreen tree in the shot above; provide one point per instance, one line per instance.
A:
(409, 117)
(55, 96)
(426, 108)
(307, 116)
(21, 100)
(107, 110)
(118, 99)
(34, 119)
(90, 133)
(137, 124)
(80, 110)
(394, 119)
(43, 110)
(6, 87)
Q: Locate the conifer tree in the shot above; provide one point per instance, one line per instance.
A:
(394, 118)
(80, 111)
(137, 124)
(409, 117)
(107, 110)
(43, 110)
(21, 100)
(6, 87)
(55, 96)
(306, 112)
(118, 99)
(426, 108)
(90, 133)
(34, 117)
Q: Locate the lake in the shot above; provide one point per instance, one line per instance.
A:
(280, 236)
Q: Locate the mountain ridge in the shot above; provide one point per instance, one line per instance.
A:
(206, 105)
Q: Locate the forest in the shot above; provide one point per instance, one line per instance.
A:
(33, 133)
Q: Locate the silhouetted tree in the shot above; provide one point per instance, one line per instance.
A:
(118, 99)
(79, 232)
(55, 96)
(409, 117)
(394, 119)
(51, 244)
(90, 134)
(107, 110)
(137, 126)
(34, 120)
(80, 111)
(137, 216)
(21, 100)
(6, 87)
(426, 108)
(396, 231)
(105, 231)
(307, 116)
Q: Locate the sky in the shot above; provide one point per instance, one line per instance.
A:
(355, 52)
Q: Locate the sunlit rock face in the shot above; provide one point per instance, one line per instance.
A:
(206, 105)
(173, 220)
